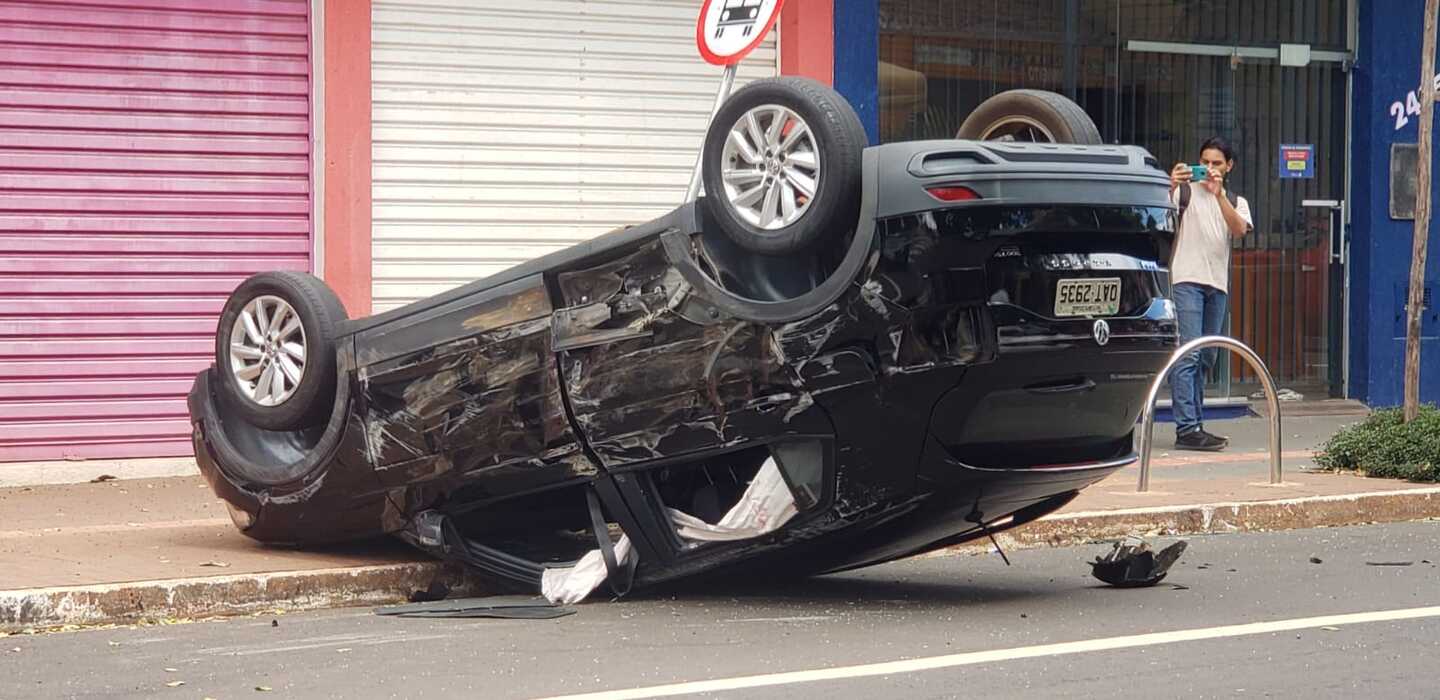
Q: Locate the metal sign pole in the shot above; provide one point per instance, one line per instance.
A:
(727, 81)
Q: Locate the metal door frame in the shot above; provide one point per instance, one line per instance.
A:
(1346, 59)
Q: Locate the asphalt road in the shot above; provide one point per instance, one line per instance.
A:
(959, 626)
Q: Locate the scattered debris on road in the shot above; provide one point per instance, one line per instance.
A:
(217, 564)
(1389, 563)
(437, 591)
(1316, 560)
(103, 478)
(1132, 564)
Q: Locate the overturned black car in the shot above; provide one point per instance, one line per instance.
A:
(924, 342)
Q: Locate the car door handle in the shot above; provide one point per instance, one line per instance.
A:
(1062, 387)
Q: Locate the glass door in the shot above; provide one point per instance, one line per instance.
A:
(1288, 126)
(1166, 75)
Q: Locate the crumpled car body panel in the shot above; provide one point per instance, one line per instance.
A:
(914, 384)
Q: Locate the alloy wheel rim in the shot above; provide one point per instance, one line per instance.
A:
(770, 167)
(268, 350)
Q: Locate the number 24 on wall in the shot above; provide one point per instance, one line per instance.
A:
(1410, 106)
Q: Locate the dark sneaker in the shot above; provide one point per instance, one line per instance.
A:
(1199, 440)
(1221, 438)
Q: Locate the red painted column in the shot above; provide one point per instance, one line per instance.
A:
(807, 39)
(347, 152)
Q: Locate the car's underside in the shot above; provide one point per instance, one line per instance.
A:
(937, 372)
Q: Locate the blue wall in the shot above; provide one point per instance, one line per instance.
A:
(1388, 68)
(857, 60)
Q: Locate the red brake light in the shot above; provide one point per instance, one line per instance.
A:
(953, 193)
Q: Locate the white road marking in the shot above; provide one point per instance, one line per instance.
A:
(980, 657)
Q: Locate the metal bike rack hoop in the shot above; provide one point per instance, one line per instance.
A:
(1147, 426)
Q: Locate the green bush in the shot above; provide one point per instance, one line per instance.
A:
(1383, 445)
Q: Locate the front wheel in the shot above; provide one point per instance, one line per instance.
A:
(782, 166)
(275, 349)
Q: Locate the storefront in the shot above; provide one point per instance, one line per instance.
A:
(1165, 75)
(444, 141)
(152, 155)
(504, 131)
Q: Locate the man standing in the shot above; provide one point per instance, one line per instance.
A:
(1210, 216)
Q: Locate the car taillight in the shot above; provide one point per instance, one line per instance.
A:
(953, 193)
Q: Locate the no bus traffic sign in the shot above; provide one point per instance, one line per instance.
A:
(728, 30)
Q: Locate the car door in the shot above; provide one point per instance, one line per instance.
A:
(469, 391)
(653, 373)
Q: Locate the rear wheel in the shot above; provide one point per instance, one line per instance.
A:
(275, 349)
(781, 166)
(1037, 116)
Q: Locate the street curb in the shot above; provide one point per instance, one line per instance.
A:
(1066, 529)
(239, 594)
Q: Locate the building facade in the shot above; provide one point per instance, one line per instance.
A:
(1317, 96)
(153, 153)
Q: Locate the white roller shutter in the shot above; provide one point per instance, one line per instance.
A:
(505, 130)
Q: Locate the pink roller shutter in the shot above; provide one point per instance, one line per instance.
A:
(153, 153)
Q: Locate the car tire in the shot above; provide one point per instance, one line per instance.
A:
(275, 350)
(1030, 115)
(805, 136)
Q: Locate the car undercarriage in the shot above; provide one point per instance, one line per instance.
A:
(963, 356)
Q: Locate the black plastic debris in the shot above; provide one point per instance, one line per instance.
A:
(437, 591)
(1316, 560)
(1389, 563)
(499, 607)
(1132, 564)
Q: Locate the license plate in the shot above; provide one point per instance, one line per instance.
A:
(1088, 297)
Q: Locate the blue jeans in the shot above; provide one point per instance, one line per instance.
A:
(1201, 311)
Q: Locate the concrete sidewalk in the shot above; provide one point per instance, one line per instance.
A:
(130, 550)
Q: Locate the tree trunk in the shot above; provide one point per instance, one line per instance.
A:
(1422, 216)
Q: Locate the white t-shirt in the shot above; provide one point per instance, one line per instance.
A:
(1202, 248)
